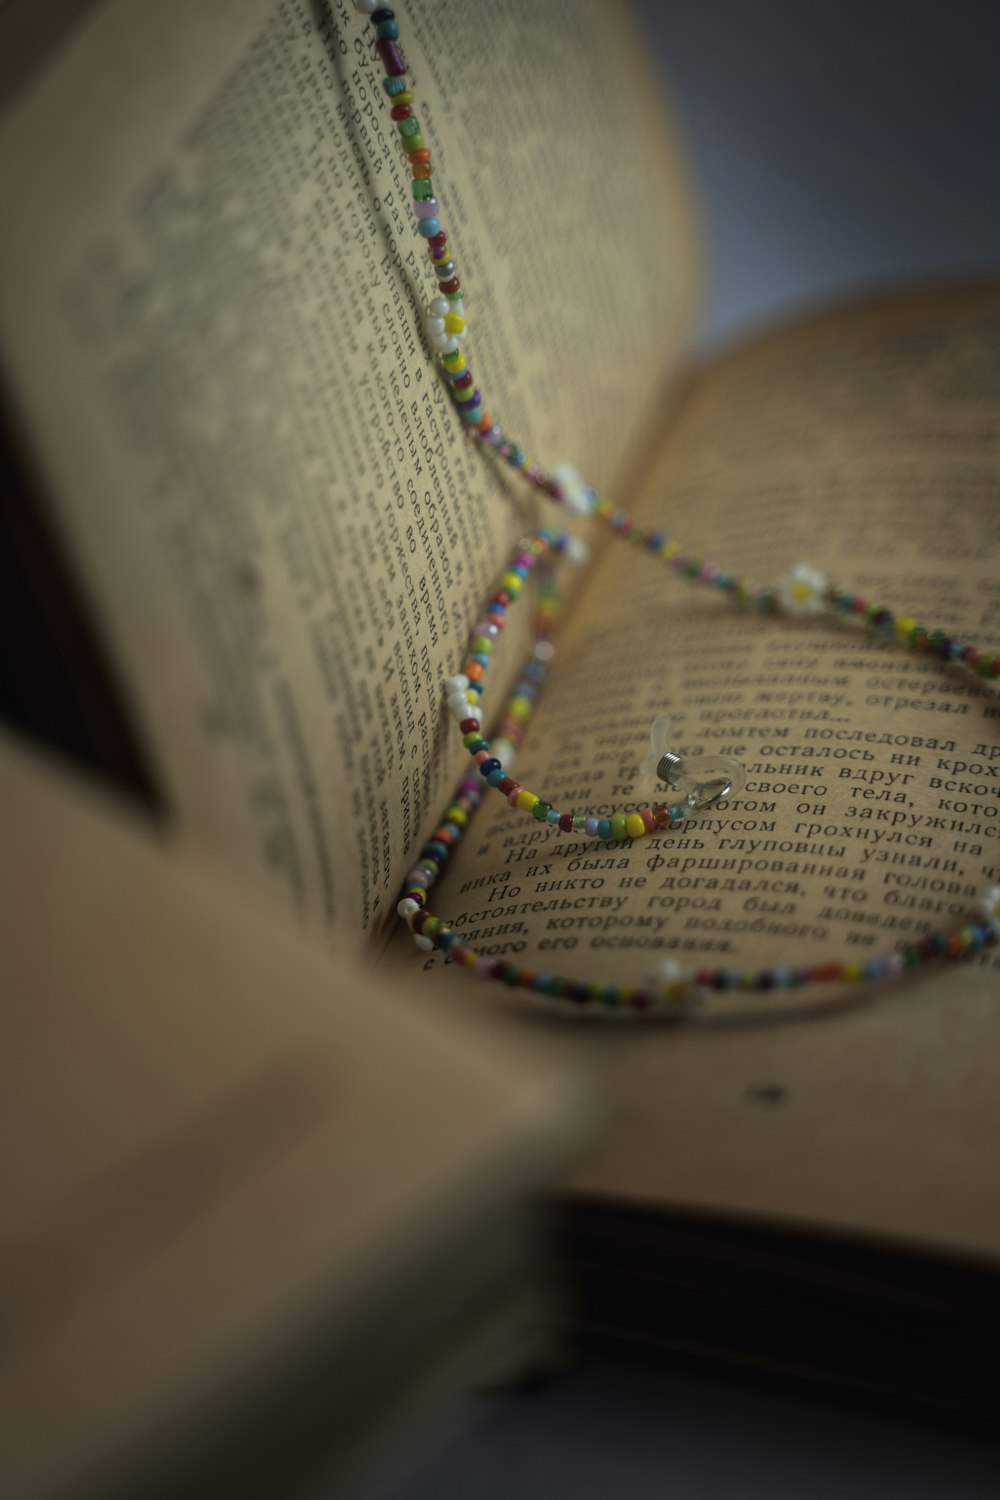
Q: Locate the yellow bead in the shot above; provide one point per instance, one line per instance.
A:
(406, 97)
(670, 549)
(519, 708)
(453, 323)
(511, 583)
(852, 973)
(458, 816)
(526, 801)
(634, 826)
(903, 627)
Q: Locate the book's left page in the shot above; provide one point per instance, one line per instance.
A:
(211, 303)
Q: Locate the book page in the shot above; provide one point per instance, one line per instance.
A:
(211, 309)
(865, 443)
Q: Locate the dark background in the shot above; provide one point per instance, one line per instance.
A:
(833, 146)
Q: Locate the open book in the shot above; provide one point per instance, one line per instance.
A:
(237, 444)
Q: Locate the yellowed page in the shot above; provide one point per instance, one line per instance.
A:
(210, 311)
(867, 444)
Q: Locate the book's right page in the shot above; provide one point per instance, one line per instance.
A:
(864, 442)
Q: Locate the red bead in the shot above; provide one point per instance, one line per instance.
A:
(463, 382)
(506, 786)
(437, 243)
(468, 725)
(401, 111)
(453, 285)
(566, 823)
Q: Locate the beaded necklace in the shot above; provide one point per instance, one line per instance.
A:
(670, 988)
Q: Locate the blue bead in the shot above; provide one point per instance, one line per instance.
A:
(471, 415)
(604, 828)
(429, 228)
(590, 827)
(480, 657)
(495, 777)
(388, 29)
(552, 816)
(395, 85)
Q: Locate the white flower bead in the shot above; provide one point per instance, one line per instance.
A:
(505, 751)
(457, 684)
(577, 496)
(545, 650)
(366, 7)
(989, 908)
(673, 987)
(460, 706)
(577, 551)
(423, 943)
(441, 339)
(803, 591)
(408, 908)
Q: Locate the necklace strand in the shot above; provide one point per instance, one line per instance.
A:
(803, 592)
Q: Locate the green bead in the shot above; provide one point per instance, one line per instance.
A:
(618, 825)
(482, 643)
(541, 810)
(413, 142)
(409, 126)
(423, 189)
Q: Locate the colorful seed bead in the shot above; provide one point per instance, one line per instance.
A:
(392, 58)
